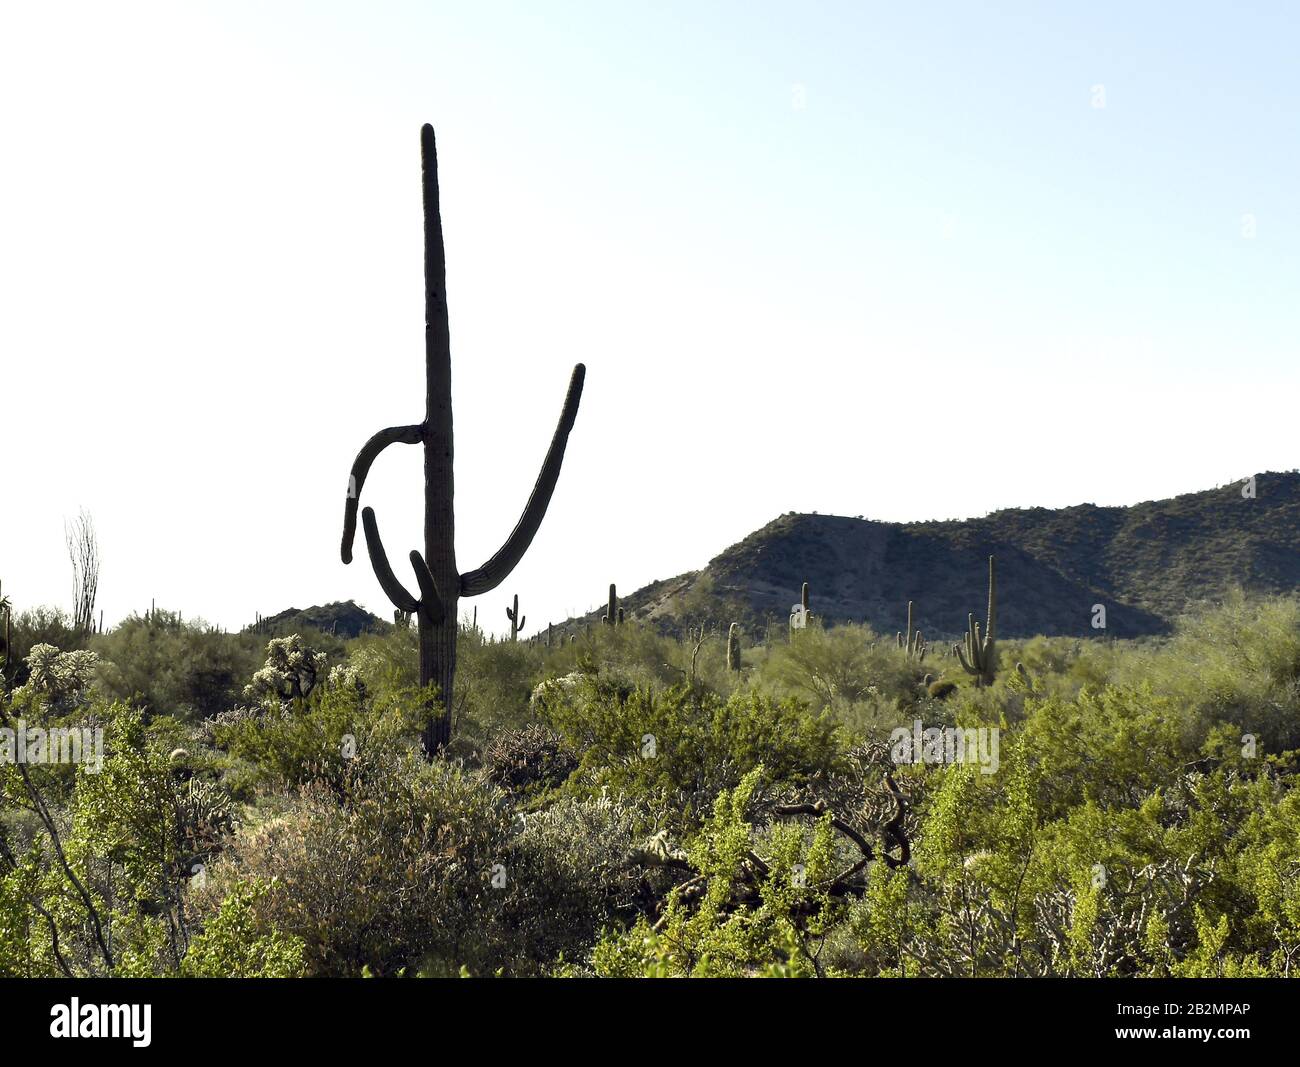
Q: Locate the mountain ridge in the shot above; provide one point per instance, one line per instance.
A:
(1146, 563)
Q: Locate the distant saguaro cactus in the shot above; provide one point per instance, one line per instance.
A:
(979, 657)
(911, 641)
(441, 583)
(7, 609)
(733, 647)
(613, 613)
(800, 614)
(516, 620)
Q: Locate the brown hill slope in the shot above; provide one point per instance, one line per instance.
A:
(1145, 563)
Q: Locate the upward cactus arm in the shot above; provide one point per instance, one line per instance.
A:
(405, 435)
(498, 568)
(432, 609)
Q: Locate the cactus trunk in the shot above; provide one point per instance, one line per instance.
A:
(441, 584)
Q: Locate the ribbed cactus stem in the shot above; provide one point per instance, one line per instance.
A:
(610, 618)
(979, 656)
(441, 583)
(516, 620)
(733, 647)
(803, 597)
(911, 641)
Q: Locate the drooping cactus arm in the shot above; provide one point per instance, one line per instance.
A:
(394, 589)
(406, 435)
(498, 568)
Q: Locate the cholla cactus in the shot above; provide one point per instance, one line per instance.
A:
(979, 656)
(346, 676)
(61, 677)
(290, 673)
(911, 641)
(204, 819)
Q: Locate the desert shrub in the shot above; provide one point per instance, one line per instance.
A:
(39, 626)
(1237, 663)
(531, 759)
(571, 874)
(109, 847)
(839, 666)
(688, 745)
(941, 690)
(392, 872)
(180, 669)
(231, 944)
(767, 934)
(493, 682)
(314, 739)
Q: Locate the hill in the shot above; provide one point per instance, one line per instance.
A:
(1146, 563)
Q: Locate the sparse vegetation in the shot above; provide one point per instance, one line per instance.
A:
(607, 810)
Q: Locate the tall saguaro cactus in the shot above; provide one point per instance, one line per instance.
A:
(979, 656)
(613, 613)
(911, 641)
(516, 620)
(441, 584)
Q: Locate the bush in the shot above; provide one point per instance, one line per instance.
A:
(532, 759)
(687, 746)
(395, 873)
(174, 668)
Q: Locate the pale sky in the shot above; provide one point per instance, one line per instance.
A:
(904, 261)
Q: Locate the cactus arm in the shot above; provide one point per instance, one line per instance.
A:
(406, 435)
(498, 568)
(993, 601)
(394, 589)
(432, 609)
(522, 620)
(965, 664)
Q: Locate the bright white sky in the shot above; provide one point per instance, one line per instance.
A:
(873, 259)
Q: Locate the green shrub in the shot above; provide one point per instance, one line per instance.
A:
(687, 746)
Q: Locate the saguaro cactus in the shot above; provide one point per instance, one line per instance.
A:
(979, 657)
(911, 641)
(441, 583)
(613, 613)
(516, 620)
(733, 647)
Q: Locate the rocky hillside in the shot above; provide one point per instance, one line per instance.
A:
(1145, 563)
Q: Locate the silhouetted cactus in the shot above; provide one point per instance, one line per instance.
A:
(979, 657)
(612, 610)
(516, 620)
(911, 641)
(733, 647)
(441, 583)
